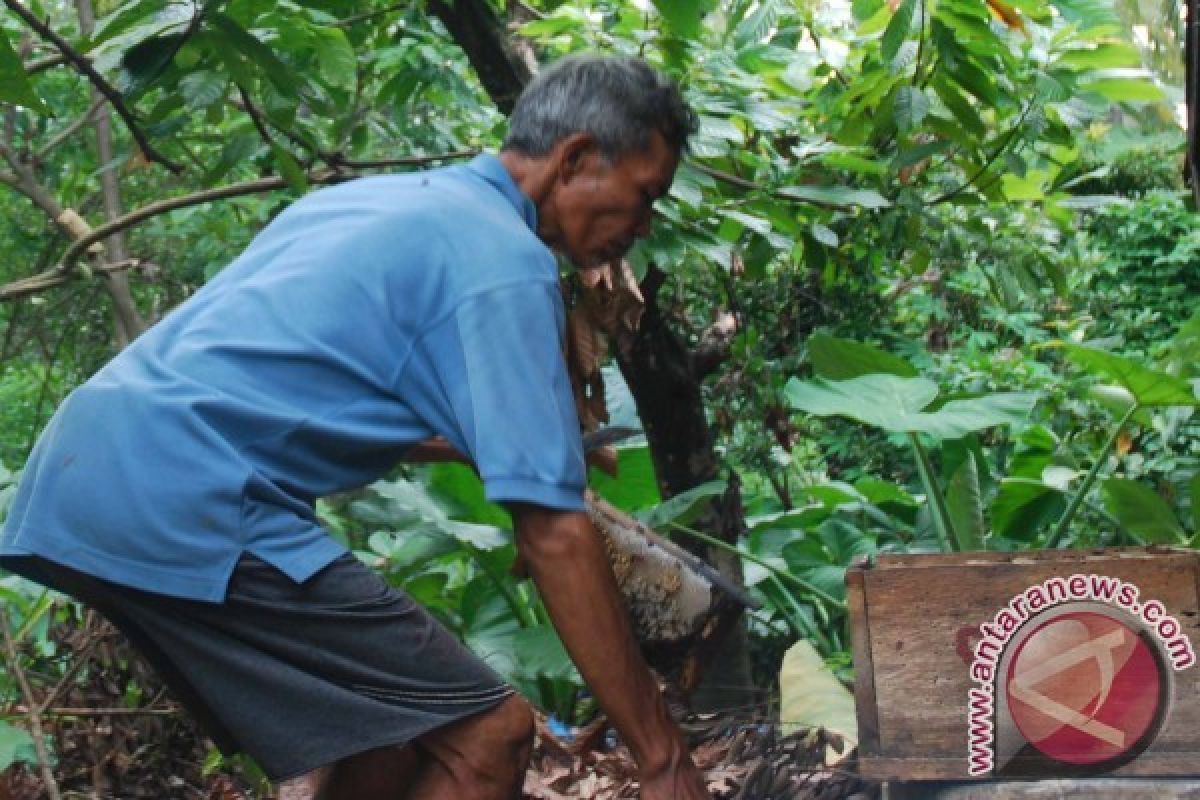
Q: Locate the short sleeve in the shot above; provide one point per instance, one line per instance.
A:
(498, 361)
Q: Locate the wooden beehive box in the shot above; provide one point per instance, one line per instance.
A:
(1087, 658)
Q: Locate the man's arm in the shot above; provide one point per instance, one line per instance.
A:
(566, 559)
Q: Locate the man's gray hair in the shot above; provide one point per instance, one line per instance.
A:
(620, 101)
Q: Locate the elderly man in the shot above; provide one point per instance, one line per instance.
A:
(174, 491)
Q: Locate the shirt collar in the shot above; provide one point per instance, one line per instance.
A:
(491, 170)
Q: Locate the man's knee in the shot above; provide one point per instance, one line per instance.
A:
(514, 725)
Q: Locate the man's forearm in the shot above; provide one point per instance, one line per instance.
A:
(566, 560)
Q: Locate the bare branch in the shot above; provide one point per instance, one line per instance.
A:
(103, 86)
(44, 63)
(353, 20)
(714, 345)
(58, 276)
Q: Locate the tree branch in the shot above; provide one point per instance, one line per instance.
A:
(35, 717)
(999, 151)
(103, 86)
(480, 34)
(44, 63)
(64, 271)
(69, 130)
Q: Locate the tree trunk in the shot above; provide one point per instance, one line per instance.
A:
(127, 322)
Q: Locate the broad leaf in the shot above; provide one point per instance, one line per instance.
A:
(897, 405)
(15, 745)
(910, 108)
(965, 505)
(683, 17)
(1023, 507)
(811, 696)
(1125, 90)
(15, 87)
(1150, 387)
(336, 58)
(635, 487)
(840, 359)
(1141, 511)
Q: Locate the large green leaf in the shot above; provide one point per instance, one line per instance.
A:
(635, 487)
(841, 359)
(336, 59)
(15, 87)
(1023, 507)
(1125, 90)
(1141, 511)
(1106, 55)
(1195, 497)
(1150, 387)
(897, 405)
(965, 504)
(811, 696)
(683, 17)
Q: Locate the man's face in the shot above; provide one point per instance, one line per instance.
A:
(601, 208)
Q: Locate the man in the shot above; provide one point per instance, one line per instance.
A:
(174, 491)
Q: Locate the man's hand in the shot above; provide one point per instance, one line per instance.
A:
(566, 560)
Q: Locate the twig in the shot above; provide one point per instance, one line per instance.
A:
(58, 276)
(255, 116)
(406, 161)
(103, 86)
(44, 63)
(69, 130)
(72, 711)
(368, 15)
(35, 718)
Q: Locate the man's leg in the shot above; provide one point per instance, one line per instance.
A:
(479, 758)
(483, 757)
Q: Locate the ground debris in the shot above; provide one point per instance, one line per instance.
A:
(741, 761)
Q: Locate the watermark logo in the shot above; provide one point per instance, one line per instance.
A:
(1073, 676)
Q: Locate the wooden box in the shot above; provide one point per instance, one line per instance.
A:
(1025, 665)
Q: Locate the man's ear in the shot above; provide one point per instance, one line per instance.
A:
(573, 154)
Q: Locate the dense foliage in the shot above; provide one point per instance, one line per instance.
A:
(952, 233)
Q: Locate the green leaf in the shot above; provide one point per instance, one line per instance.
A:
(283, 78)
(15, 745)
(683, 17)
(911, 108)
(1022, 507)
(290, 169)
(203, 88)
(965, 504)
(1107, 55)
(897, 29)
(841, 359)
(1150, 387)
(1141, 511)
(635, 486)
(1195, 495)
(15, 87)
(1125, 90)
(336, 59)
(837, 196)
(896, 404)
(539, 651)
(683, 507)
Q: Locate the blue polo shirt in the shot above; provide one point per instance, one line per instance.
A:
(365, 318)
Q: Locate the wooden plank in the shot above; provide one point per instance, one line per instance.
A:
(860, 643)
(920, 616)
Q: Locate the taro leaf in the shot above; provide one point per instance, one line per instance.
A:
(811, 696)
(402, 551)
(883, 493)
(411, 501)
(896, 404)
(837, 196)
(965, 505)
(635, 487)
(462, 495)
(1150, 387)
(539, 651)
(683, 507)
(15, 87)
(1023, 506)
(15, 745)
(1141, 511)
(841, 359)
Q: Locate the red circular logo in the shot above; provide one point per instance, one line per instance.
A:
(1084, 688)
